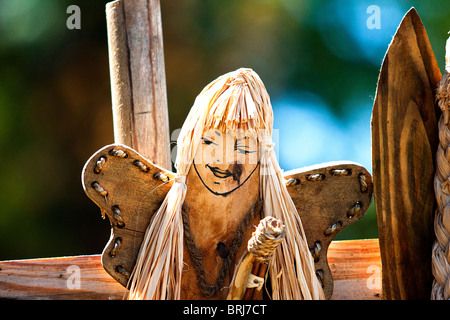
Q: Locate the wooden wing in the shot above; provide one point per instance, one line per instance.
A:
(128, 189)
(328, 197)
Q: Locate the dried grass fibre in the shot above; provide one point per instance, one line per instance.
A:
(233, 102)
(441, 248)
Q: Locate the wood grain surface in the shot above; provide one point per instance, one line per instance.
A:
(355, 266)
(135, 188)
(329, 197)
(404, 140)
(138, 78)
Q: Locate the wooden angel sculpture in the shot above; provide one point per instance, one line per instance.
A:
(184, 235)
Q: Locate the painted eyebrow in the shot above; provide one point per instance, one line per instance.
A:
(240, 139)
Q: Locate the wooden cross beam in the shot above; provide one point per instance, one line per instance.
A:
(355, 267)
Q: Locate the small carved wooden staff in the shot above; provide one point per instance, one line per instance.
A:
(262, 244)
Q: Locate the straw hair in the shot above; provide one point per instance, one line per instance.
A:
(235, 102)
(441, 247)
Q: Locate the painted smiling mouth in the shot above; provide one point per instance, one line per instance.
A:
(222, 174)
(236, 167)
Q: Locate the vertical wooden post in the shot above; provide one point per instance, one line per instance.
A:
(404, 140)
(138, 83)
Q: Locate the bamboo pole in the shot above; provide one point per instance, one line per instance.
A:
(138, 84)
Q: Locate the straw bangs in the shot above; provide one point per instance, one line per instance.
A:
(236, 103)
(240, 102)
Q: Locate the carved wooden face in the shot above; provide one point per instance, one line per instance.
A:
(224, 162)
(222, 185)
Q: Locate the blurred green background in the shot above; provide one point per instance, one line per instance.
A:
(318, 60)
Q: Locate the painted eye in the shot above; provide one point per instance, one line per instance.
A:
(207, 141)
(244, 151)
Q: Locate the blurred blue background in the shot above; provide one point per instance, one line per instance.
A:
(319, 60)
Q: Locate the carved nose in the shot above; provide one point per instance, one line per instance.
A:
(236, 170)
